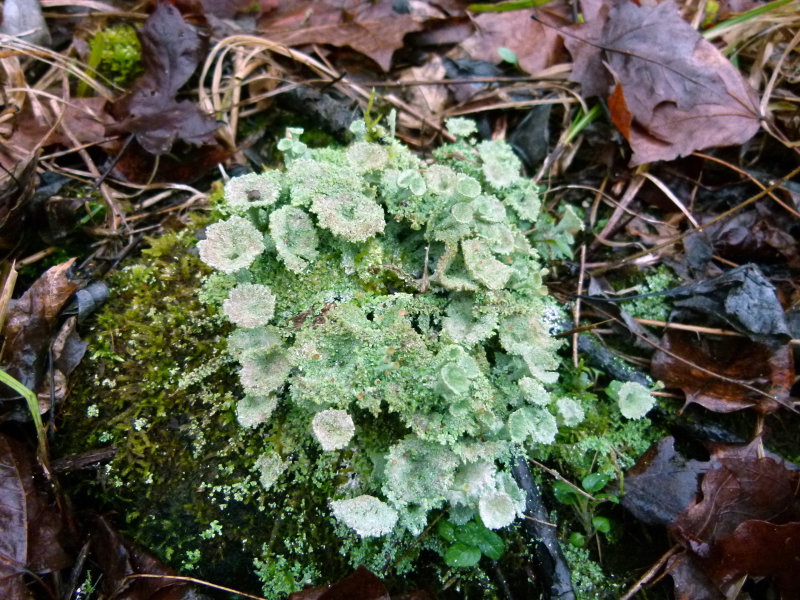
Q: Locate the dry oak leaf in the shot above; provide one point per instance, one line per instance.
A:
(674, 92)
(372, 28)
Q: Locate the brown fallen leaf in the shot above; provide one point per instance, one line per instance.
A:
(742, 518)
(30, 323)
(119, 559)
(171, 51)
(29, 522)
(683, 94)
(536, 46)
(372, 28)
(753, 364)
(763, 549)
(762, 235)
(747, 523)
(81, 120)
(362, 584)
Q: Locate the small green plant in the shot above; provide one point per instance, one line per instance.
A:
(116, 54)
(508, 55)
(585, 505)
(33, 408)
(87, 589)
(468, 542)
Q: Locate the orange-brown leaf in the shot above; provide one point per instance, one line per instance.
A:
(620, 115)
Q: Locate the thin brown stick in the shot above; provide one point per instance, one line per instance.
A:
(651, 572)
(697, 329)
(630, 193)
(577, 317)
(744, 173)
(213, 586)
(530, 518)
(558, 476)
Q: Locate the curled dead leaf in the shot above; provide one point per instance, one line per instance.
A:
(171, 51)
(31, 321)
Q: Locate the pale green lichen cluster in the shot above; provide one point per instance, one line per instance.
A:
(210, 496)
(395, 309)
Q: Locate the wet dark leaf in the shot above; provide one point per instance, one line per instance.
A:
(531, 138)
(699, 251)
(88, 300)
(29, 521)
(682, 93)
(742, 298)
(359, 585)
(738, 490)
(747, 522)
(746, 300)
(31, 321)
(374, 29)
(661, 484)
(171, 51)
(764, 549)
(757, 365)
(757, 235)
(689, 579)
(119, 558)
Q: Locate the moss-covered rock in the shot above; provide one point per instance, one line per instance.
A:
(158, 385)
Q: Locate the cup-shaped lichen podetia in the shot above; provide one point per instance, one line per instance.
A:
(393, 310)
(326, 260)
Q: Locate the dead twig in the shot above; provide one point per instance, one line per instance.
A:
(651, 573)
(721, 217)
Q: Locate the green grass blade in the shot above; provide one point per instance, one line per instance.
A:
(33, 407)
